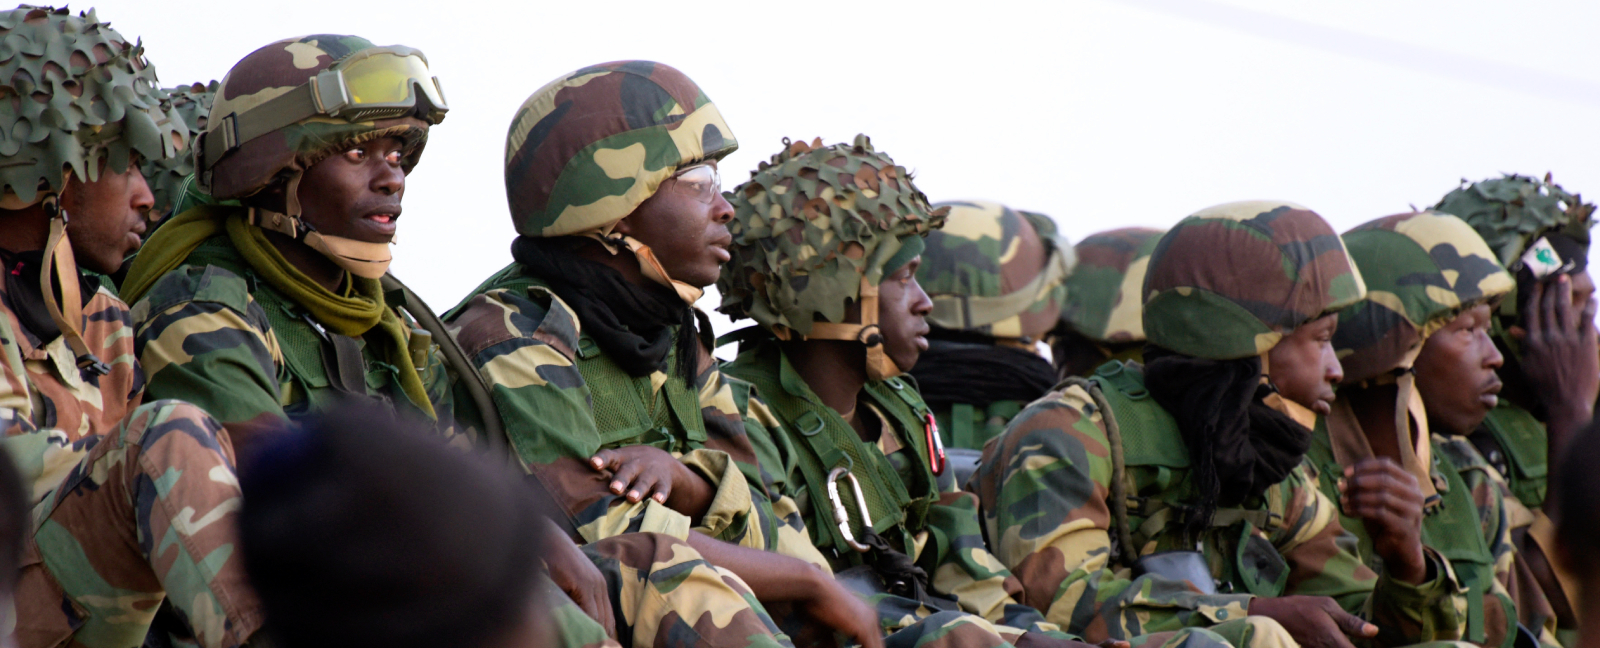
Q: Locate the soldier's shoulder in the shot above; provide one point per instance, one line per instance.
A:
(195, 283)
(531, 315)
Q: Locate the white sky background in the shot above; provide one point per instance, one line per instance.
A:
(1101, 113)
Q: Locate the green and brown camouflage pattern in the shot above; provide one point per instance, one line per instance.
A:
(986, 251)
(1103, 292)
(1421, 270)
(1511, 211)
(268, 73)
(590, 146)
(78, 95)
(167, 177)
(1045, 485)
(1286, 266)
(810, 224)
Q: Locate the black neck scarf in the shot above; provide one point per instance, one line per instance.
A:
(1238, 446)
(979, 374)
(25, 297)
(632, 324)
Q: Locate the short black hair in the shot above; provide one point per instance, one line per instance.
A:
(361, 529)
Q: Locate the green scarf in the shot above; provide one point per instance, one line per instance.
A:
(352, 315)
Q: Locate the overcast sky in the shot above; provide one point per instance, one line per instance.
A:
(1101, 113)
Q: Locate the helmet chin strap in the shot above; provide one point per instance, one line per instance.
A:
(648, 263)
(62, 267)
(361, 258)
(879, 365)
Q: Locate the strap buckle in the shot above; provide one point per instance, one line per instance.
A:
(841, 515)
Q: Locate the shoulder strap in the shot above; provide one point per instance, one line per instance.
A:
(466, 375)
(1122, 548)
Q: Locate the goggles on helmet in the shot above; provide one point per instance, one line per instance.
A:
(373, 84)
(701, 181)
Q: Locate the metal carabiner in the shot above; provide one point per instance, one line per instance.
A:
(841, 516)
(936, 456)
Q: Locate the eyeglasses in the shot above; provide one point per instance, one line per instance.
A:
(701, 181)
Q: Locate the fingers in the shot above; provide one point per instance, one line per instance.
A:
(603, 615)
(605, 460)
(1534, 318)
(1350, 624)
(1562, 305)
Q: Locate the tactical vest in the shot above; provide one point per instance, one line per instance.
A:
(1453, 530)
(320, 368)
(823, 441)
(968, 426)
(1147, 438)
(1526, 447)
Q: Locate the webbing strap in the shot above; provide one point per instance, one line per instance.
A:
(467, 375)
(278, 112)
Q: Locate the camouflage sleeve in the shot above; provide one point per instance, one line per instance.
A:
(962, 566)
(786, 528)
(1044, 485)
(204, 340)
(524, 348)
(1322, 563)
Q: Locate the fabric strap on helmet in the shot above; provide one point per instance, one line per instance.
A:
(648, 263)
(879, 365)
(277, 113)
(361, 258)
(62, 267)
(1350, 443)
(962, 312)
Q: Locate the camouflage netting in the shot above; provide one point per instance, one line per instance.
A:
(1511, 211)
(166, 175)
(76, 93)
(1421, 269)
(812, 223)
(1230, 281)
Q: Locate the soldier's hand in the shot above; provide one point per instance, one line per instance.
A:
(577, 576)
(1560, 357)
(640, 471)
(836, 607)
(1314, 621)
(1040, 640)
(1386, 497)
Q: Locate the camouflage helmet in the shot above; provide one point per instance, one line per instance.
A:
(1231, 280)
(234, 161)
(995, 270)
(1103, 290)
(1511, 212)
(586, 149)
(168, 177)
(816, 229)
(92, 97)
(1421, 269)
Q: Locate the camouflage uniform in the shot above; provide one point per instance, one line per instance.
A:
(1102, 306)
(1073, 497)
(1422, 269)
(996, 279)
(133, 502)
(1511, 213)
(560, 398)
(798, 259)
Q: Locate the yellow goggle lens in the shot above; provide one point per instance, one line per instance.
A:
(387, 79)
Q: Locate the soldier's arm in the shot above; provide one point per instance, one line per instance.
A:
(1320, 564)
(201, 338)
(1044, 484)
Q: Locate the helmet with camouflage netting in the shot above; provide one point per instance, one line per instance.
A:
(81, 96)
(290, 104)
(170, 177)
(815, 230)
(1421, 269)
(1103, 302)
(587, 149)
(1230, 281)
(995, 271)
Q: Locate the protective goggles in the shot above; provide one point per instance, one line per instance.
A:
(373, 84)
(701, 181)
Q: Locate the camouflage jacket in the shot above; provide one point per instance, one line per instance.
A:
(1517, 445)
(49, 409)
(1046, 485)
(213, 333)
(541, 369)
(945, 540)
(1469, 528)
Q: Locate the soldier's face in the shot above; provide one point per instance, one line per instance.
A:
(686, 224)
(1456, 372)
(106, 217)
(356, 194)
(1304, 367)
(903, 308)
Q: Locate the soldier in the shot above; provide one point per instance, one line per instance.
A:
(995, 277)
(600, 365)
(1545, 333)
(132, 501)
(1429, 277)
(171, 179)
(1100, 319)
(1172, 494)
(825, 253)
